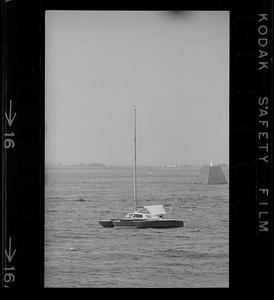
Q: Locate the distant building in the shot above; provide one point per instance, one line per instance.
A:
(212, 175)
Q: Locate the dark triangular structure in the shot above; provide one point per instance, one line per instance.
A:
(212, 175)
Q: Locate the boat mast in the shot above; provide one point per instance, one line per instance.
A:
(135, 172)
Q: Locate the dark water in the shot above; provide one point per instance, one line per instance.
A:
(81, 253)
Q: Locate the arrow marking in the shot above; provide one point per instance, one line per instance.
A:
(10, 254)
(9, 117)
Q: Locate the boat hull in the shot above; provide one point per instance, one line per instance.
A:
(142, 224)
(161, 224)
(122, 223)
(106, 223)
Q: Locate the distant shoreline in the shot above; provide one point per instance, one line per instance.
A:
(103, 166)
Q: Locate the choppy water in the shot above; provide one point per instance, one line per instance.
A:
(81, 253)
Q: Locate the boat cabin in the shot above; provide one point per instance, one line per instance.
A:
(152, 212)
(139, 216)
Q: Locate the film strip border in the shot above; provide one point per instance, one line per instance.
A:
(23, 130)
(22, 144)
(251, 117)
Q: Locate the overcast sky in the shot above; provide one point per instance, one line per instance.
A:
(175, 69)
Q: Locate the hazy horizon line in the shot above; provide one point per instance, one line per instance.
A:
(130, 165)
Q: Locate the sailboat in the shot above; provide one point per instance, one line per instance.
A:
(151, 216)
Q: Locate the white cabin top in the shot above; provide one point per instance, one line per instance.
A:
(153, 212)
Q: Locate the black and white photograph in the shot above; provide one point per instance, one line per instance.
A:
(136, 149)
